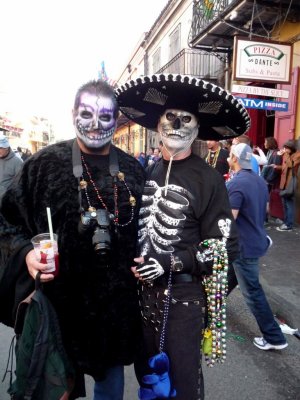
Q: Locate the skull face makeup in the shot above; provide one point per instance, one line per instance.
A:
(178, 129)
(94, 120)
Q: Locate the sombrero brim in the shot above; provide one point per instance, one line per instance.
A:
(221, 115)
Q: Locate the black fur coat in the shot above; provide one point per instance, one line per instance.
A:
(97, 307)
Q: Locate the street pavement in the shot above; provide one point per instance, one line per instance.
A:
(248, 373)
(280, 273)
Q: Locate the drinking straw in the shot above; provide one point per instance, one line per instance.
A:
(50, 224)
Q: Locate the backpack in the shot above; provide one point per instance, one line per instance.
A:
(15, 282)
(43, 370)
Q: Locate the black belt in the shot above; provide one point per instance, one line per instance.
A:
(183, 278)
(176, 278)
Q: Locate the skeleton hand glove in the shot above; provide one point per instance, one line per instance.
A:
(154, 265)
(205, 259)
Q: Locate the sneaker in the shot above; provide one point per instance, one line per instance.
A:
(262, 344)
(283, 228)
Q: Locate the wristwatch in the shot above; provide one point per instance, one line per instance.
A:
(177, 264)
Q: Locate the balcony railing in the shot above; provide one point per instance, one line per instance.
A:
(204, 12)
(193, 62)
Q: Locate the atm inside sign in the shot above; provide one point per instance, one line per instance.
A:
(264, 104)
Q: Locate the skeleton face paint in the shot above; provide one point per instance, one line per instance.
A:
(178, 129)
(94, 120)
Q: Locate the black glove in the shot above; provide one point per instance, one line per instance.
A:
(154, 265)
(196, 260)
(205, 259)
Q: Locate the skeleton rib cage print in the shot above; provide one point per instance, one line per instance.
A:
(161, 217)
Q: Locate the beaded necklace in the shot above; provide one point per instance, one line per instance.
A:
(212, 157)
(115, 216)
(214, 338)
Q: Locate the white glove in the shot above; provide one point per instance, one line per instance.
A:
(152, 267)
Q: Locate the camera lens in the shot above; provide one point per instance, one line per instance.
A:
(101, 241)
(101, 249)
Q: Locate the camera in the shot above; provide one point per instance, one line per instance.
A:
(100, 221)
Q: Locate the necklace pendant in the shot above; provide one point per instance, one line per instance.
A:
(83, 184)
(132, 201)
(121, 176)
(91, 209)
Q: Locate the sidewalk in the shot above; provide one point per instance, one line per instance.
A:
(280, 274)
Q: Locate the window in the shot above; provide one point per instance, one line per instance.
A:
(156, 61)
(175, 42)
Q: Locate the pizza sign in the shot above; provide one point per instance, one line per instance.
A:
(262, 61)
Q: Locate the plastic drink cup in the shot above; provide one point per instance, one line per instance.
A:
(46, 251)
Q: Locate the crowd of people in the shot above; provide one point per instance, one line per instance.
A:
(153, 155)
(278, 167)
(149, 246)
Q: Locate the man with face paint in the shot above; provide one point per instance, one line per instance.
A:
(93, 190)
(185, 224)
(95, 121)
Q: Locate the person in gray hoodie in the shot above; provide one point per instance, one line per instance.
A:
(10, 165)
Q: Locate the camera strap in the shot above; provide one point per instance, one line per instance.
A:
(113, 162)
(76, 160)
(78, 170)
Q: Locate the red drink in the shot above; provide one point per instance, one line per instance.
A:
(47, 252)
(52, 269)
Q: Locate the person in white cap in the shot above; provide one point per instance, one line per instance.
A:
(248, 196)
(10, 165)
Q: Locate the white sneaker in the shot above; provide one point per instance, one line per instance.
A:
(283, 228)
(262, 344)
(287, 329)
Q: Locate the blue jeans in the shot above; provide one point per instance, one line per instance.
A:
(112, 388)
(247, 273)
(289, 211)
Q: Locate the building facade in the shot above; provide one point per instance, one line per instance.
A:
(32, 133)
(165, 49)
(197, 38)
(216, 23)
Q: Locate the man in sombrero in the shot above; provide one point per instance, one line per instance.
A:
(187, 235)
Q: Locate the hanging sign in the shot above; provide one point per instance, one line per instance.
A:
(264, 104)
(260, 91)
(265, 61)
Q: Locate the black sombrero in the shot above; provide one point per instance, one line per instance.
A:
(220, 114)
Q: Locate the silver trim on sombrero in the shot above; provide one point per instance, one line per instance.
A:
(156, 97)
(132, 112)
(225, 130)
(213, 107)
